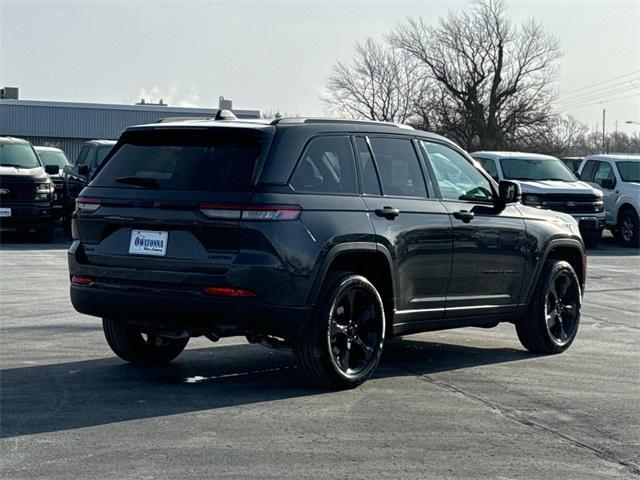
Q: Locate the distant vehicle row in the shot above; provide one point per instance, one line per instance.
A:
(38, 185)
(599, 191)
(604, 191)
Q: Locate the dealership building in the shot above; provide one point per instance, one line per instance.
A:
(68, 125)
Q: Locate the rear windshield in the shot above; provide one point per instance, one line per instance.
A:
(182, 160)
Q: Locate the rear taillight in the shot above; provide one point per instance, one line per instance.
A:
(229, 292)
(87, 205)
(80, 280)
(251, 212)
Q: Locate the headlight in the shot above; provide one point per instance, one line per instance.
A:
(531, 200)
(44, 191)
(598, 206)
(44, 187)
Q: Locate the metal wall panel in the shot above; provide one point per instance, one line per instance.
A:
(86, 120)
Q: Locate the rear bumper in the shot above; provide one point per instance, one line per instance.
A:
(175, 301)
(196, 313)
(26, 216)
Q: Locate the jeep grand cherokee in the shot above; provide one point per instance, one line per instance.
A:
(324, 236)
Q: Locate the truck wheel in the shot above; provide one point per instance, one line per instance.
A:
(130, 344)
(554, 313)
(592, 240)
(342, 345)
(629, 228)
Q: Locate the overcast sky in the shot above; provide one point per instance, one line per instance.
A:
(276, 55)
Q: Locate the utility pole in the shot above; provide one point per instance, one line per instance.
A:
(604, 148)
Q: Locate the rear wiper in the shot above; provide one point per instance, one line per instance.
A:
(146, 182)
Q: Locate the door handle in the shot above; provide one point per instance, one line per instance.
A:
(464, 215)
(387, 212)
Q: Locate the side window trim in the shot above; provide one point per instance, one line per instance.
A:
(359, 173)
(418, 157)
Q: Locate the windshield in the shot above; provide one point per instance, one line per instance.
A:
(197, 161)
(535, 169)
(629, 171)
(19, 155)
(54, 158)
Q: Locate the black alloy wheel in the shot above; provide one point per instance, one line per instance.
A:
(553, 317)
(342, 346)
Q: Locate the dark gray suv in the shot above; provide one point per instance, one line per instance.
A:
(324, 236)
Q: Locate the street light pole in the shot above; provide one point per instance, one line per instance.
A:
(631, 122)
(604, 149)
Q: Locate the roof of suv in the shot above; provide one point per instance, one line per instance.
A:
(614, 156)
(10, 140)
(498, 155)
(312, 124)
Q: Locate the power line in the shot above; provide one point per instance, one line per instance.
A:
(601, 91)
(609, 100)
(597, 96)
(600, 83)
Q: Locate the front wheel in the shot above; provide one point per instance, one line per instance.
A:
(132, 345)
(342, 345)
(552, 321)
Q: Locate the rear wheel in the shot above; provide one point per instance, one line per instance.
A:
(554, 314)
(629, 228)
(132, 345)
(342, 345)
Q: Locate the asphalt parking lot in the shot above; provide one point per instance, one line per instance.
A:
(468, 403)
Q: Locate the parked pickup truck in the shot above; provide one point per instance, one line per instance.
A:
(548, 183)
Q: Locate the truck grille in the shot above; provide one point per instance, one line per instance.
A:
(572, 203)
(17, 192)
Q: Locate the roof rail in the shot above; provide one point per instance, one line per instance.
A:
(300, 120)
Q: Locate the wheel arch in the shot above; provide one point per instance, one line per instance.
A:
(626, 205)
(369, 259)
(562, 249)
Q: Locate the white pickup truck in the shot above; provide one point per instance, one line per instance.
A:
(619, 178)
(548, 183)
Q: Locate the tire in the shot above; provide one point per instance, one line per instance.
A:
(45, 235)
(551, 325)
(342, 345)
(592, 240)
(128, 343)
(629, 228)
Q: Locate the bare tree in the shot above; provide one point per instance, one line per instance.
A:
(497, 77)
(379, 83)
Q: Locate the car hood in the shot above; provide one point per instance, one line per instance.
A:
(556, 186)
(23, 174)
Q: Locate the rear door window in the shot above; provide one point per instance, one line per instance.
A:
(326, 166)
(399, 166)
(183, 160)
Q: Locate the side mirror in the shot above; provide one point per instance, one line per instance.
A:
(52, 169)
(509, 192)
(83, 170)
(608, 183)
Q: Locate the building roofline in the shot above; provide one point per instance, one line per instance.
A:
(113, 106)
